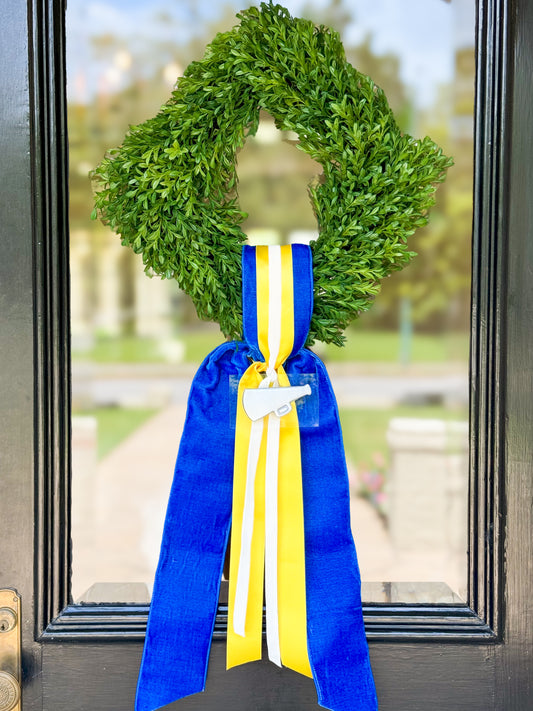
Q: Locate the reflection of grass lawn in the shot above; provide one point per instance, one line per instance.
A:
(115, 424)
(123, 349)
(364, 430)
(198, 344)
(361, 346)
(384, 347)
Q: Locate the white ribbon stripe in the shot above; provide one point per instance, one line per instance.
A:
(271, 482)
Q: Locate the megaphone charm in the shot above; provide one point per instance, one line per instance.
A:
(260, 402)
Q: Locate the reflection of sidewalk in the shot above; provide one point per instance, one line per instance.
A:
(118, 517)
(120, 540)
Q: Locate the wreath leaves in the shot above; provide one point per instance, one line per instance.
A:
(170, 190)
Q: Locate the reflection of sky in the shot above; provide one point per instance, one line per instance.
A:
(423, 33)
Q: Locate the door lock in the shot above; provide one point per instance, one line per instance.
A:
(10, 668)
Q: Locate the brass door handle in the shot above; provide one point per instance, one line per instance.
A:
(10, 669)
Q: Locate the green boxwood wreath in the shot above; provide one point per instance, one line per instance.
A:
(170, 190)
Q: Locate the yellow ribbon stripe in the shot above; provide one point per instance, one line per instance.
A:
(291, 544)
(248, 648)
(291, 550)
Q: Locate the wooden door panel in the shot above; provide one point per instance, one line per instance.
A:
(443, 659)
(412, 677)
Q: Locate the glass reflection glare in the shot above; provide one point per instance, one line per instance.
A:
(401, 380)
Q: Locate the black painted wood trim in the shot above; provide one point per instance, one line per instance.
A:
(51, 307)
(514, 667)
(487, 378)
(384, 623)
(59, 621)
(413, 677)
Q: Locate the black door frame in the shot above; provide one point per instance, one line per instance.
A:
(453, 657)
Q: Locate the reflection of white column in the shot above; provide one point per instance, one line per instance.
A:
(153, 305)
(302, 236)
(108, 316)
(457, 488)
(464, 14)
(263, 236)
(267, 132)
(80, 317)
(428, 486)
(84, 463)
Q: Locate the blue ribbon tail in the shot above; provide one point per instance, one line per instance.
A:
(337, 646)
(187, 582)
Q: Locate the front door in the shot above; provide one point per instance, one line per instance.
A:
(86, 657)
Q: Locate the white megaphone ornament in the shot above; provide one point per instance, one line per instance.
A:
(260, 402)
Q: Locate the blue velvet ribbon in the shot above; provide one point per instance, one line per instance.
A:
(198, 520)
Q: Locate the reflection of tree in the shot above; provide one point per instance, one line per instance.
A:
(437, 282)
(335, 14)
(140, 82)
(385, 72)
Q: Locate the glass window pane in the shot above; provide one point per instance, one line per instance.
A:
(402, 378)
